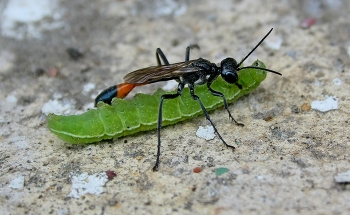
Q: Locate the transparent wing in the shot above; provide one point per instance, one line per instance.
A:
(160, 73)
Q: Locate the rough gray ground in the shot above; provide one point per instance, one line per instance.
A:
(287, 156)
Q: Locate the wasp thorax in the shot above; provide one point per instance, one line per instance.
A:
(229, 70)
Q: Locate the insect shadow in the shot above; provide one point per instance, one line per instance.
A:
(191, 73)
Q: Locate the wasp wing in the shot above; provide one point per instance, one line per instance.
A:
(160, 73)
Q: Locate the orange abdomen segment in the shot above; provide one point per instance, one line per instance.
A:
(119, 91)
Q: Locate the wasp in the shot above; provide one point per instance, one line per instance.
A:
(191, 73)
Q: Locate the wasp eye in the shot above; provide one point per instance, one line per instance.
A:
(229, 76)
(229, 70)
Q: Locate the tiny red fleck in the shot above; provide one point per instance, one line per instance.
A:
(307, 23)
(197, 169)
(110, 174)
(52, 72)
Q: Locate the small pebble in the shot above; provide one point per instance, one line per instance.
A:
(110, 174)
(74, 54)
(197, 169)
(206, 133)
(220, 171)
(307, 23)
(331, 103)
(52, 72)
(305, 107)
(343, 177)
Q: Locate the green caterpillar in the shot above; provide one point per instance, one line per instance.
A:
(127, 117)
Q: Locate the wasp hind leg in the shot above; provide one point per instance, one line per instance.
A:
(160, 118)
(159, 53)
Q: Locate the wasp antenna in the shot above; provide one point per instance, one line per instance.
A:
(253, 67)
(254, 48)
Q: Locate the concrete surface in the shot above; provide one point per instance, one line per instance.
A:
(287, 155)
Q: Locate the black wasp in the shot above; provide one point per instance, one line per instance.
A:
(190, 73)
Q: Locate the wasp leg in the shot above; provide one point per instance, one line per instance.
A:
(160, 119)
(216, 93)
(195, 97)
(160, 53)
(188, 49)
